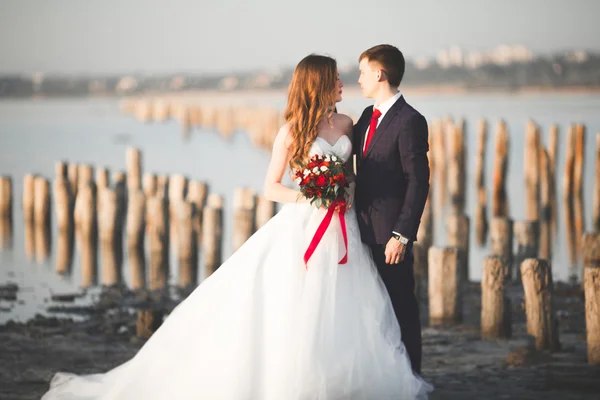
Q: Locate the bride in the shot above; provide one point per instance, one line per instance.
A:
(265, 325)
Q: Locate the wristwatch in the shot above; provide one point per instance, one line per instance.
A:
(400, 238)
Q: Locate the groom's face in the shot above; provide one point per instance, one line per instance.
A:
(369, 77)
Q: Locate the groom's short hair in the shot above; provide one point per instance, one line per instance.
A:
(390, 59)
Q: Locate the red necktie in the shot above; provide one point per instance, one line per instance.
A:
(372, 127)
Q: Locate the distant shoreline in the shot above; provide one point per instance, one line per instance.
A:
(349, 90)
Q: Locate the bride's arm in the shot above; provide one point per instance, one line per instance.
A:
(274, 190)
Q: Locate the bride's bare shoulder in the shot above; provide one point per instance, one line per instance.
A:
(344, 122)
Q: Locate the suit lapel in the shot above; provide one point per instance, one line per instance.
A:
(389, 116)
(361, 131)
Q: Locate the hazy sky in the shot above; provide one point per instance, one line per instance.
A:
(88, 36)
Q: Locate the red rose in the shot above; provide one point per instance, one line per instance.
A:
(321, 181)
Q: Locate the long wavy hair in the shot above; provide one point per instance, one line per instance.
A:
(311, 96)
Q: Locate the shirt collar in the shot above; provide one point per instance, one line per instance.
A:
(386, 105)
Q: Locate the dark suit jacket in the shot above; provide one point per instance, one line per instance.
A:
(392, 180)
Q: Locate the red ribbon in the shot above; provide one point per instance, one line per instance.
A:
(323, 227)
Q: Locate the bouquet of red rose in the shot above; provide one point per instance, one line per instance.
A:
(323, 180)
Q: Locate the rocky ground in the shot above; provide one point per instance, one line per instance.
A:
(456, 360)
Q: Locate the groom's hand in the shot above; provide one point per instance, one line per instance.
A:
(394, 251)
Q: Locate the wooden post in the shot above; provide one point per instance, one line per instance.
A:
(73, 177)
(456, 169)
(495, 305)
(526, 234)
(187, 244)
(421, 247)
(197, 192)
(107, 226)
(148, 322)
(162, 186)
(29, 238)
(102, 178)
(499, 196)
(85, 217)
(85, 175)
(136, 215)
(42, 239)
(28, 197)
(439, 160)
(457, 228)
(212, 233)
(568, 202)
(265, 210)
(243, 216)
(539, 308)
(6, 197)
(6, 208)
(481, 222)
(445, 300)
(501, 235)
(149, 184)
(532, 171)
(591, 278)
(578, 210)
(177, 192)
(133, 158)
(64, 206)
(552, 157)
(546, 207)
(158, 234)
(60, 169)
(596, 210)
(41, 202)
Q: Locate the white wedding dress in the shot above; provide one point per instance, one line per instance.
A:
(265, 327)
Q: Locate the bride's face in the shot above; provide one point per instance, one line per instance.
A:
(338, 88)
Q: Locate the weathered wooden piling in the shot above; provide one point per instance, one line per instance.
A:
(439, 160)
(148, 322)
(102, 178)
(526, 235)
(596, 209)
(136, 221)
(28, 197)
(187, 244)
(64, 251)
(133, 160)
(532, 172)
(539, 308)
(212, 233)
(149, 184)
(243, 216)
(457, 229)
(445, 298)
(6, 233)
(61, 170)
(158, 235)
(265, 210)
(86, 222)
(501, 242)
(495, 305)
(85, 175)
(29, 238)
(43, 242)
(552, 157)
(63, 204)
(591, 284)
(108, 217)
(481, 222)
(41, 202)
(578, 208)
(456, 168)
(197, 192)
(499, 195)
(73, 177)
(545, 241)
(568, 202)
(162, 186)
(6, 197)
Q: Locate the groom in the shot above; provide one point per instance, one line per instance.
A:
(392, 183)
